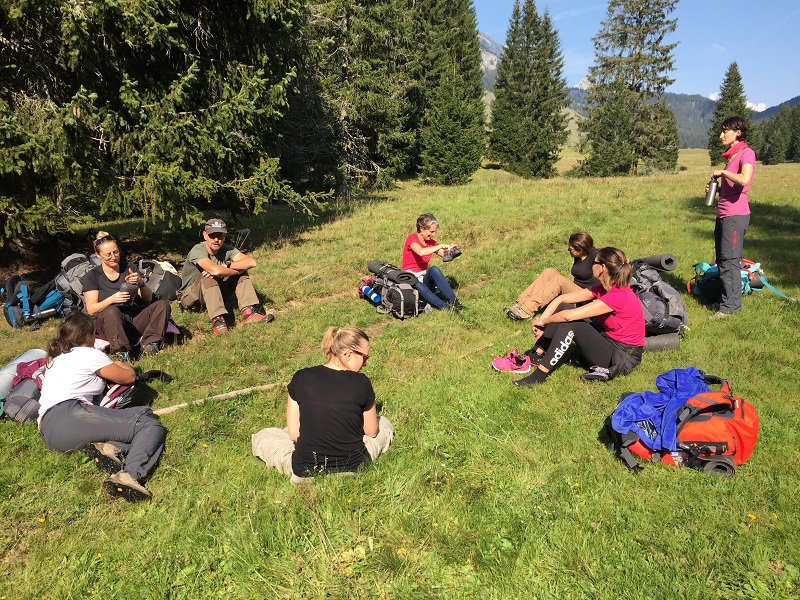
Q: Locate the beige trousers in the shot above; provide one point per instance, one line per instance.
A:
(274, 446)
(546, 288)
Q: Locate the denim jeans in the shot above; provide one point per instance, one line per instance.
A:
(434, 281)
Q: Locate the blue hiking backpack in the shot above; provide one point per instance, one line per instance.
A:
(26, 308)
(707, 285)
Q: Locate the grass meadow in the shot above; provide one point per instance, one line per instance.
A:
(489, 491)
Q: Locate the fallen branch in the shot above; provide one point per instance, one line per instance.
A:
(259, 388)
(484, 347)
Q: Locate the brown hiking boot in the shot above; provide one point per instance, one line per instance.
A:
(251, 315)
(122, 484)
(218, 325)
(517, 313)
(105, 456)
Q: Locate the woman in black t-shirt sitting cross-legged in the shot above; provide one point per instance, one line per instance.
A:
(332, 424)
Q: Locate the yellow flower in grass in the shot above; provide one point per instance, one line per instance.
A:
(41, 519)
(751, 516)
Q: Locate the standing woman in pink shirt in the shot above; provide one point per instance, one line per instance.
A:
(733, 212)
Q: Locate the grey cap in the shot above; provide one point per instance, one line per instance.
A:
(216, 226)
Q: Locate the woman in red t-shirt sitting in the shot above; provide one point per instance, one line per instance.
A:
(608, 331)
(418, 249)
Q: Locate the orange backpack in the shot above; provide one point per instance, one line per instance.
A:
(716, 431)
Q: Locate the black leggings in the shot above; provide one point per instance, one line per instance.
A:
(595, 347)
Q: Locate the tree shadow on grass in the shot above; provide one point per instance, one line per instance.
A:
(39, 260)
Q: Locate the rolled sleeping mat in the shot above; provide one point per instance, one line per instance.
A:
(9, 372)
(660, 262)
(392, 273)
(664, 341)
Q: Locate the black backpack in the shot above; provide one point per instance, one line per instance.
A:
(662, 304)
(400, 300)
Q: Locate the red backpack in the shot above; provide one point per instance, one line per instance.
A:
(716, 431)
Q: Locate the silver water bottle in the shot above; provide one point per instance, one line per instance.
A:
(712, 192)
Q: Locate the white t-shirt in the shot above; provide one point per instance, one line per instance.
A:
(73, 376)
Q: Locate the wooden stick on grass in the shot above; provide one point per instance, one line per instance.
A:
(259, 388)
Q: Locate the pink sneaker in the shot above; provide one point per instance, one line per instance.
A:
(512, 362)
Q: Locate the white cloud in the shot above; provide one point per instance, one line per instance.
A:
(714, 96)
(760, 107)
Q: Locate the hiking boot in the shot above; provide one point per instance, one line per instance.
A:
(512, 362)
(457, 306)
(123, 484)
(596, 373)
(106, 456)
(250, 314)
(453, 252)
(151, 348)
(218, 325)
(517, 313)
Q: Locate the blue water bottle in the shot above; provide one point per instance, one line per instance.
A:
(374, 296)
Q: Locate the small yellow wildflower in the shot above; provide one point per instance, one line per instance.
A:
(205, 445)
(41, 519)
(751, 516)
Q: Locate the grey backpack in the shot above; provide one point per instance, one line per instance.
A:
(70, 280)
(400, 300)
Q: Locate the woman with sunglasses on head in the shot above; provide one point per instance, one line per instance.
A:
(608, 330)
(122, 305)
(332, 424)
(550, 283)
(733, 212)
(418, 249)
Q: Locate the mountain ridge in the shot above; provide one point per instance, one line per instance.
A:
(693, 112)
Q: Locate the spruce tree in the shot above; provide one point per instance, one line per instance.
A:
(630, 51)
(779, 137)
(731, 102)
(449, 52)
(365, 61)
(528, 123)
(154, 110)
(452, 144)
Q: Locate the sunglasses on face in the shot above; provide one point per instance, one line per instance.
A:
(365, 357)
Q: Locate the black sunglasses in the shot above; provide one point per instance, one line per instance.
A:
(362, 355)
(103, 240)
(598, 262)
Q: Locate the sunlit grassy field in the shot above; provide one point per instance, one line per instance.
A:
(489, 491)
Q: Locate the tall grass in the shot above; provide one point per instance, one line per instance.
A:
(489, 491)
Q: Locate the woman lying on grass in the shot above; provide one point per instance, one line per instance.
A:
(608, 331)
(550, 283)
(332, 424)
(77, 372)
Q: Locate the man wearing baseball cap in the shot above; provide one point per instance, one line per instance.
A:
(213, 272)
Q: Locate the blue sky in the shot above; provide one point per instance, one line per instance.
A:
(712, 35)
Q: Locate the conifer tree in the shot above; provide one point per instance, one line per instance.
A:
(778, 138)
(731, 102)
(365, 59)
(630, 51)
(447, 34)
(528, 123)
(452, 144)
(155, 110)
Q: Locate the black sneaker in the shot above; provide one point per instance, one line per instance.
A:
(457, 306)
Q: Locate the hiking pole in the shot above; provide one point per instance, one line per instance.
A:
(259, 388)
(241, 236)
